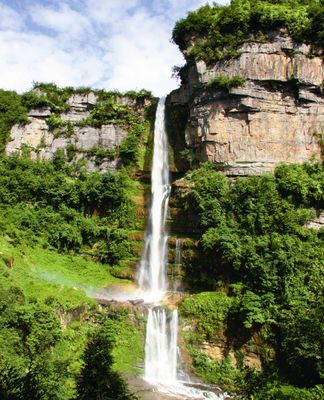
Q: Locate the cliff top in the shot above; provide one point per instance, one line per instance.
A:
(216, 32)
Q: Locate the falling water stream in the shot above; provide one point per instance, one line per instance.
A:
(161, 349)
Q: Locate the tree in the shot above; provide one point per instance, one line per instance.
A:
(97, 380)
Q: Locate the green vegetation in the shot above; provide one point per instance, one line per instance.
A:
(40, 359)
(12, 111)
(98, 380)
(130, 110)
(225, 82)
(56, 225)
(213, 306)
(221, 30)
(43, 203)
(254, 245)
(64, 231)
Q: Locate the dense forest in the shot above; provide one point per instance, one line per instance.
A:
(262, 268)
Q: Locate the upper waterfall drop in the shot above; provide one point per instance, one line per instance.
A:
(152, 275)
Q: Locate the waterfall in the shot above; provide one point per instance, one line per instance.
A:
(152, 277)
(162, 326)
(177, 257)
(161, 346)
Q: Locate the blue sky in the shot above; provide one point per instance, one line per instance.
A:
(111, 44)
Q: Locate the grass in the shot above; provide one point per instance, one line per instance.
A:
(128, 349)
(66, 282)
(42, 273)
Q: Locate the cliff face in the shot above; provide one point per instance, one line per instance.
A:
(96, 147)
(275, 117)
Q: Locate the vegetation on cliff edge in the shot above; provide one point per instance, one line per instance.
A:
(219, 31)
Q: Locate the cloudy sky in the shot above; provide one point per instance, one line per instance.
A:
(111, 44)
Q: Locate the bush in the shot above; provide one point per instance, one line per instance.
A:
(43, 204)
(12, 111)
(97, 379)
(209, 310)
(225, 82)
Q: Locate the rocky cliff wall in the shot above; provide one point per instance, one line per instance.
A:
(275, 117)
(94, 146)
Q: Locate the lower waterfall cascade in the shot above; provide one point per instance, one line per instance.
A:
(161, 348)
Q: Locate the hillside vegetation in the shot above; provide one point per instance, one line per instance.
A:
(264, 268)
(60, 234)
(63, 232)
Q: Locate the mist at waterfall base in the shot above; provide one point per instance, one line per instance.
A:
(161, 349)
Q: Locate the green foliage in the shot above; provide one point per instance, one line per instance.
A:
(219, 372)
(142, 94)
(268, 386)
(109, 111)
(213, 306)
(29, 335)
(97, 379)
(42, 204)
(220, 31)
(56, 97)
(253, 240)
(12, 111)
(32, 100)
(100, 154)
(129, 150)
(225, 82)
(128, 349)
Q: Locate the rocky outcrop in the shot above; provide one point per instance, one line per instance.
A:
(316, 223)
(80, 142)
(218, 351)
(275, 117)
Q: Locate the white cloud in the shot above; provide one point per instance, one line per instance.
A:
(26, 57)
(10, 19)
(142, 55)
(101, 43)
(109, 12)
(64, 20)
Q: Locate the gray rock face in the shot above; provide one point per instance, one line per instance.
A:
(316, 223)
(43, 143)
(279, 60)
(271, 119)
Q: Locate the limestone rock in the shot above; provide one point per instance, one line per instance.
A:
(33, 135)
(271, 119)
(78, 100)
(43, 143)
(40, 112)
(268, 62)
(252, 360)
(316, 223)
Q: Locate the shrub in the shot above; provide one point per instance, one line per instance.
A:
(12, 111)
(225, 82)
